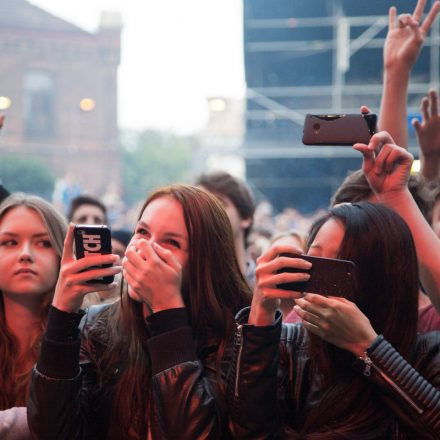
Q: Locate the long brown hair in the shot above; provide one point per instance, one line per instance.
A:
(380, 244)
(214, 291)
(15, 387)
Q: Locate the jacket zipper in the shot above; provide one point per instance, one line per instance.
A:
(369, 363)
(239, 343)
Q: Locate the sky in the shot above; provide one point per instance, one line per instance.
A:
(175, 54)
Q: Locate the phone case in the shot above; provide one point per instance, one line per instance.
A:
(330, 277)
(93, 239)
(347, 129)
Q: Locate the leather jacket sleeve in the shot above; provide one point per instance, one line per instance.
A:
(410, 396)
(184, 403)
(252, 383)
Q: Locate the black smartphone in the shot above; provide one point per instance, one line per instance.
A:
(328, 276)
(348, 129)
(94, 240)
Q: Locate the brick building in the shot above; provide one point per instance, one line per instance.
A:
(58, 89)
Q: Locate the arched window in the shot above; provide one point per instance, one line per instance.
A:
(39, 104)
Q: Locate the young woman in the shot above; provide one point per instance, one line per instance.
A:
(356, 367)
(152, 365)
(328, 394)
(31, 243)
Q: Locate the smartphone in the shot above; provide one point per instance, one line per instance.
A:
(328, 276)
(93, 240)
(348, 129)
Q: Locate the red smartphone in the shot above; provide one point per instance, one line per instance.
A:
(94, 240)
(343, 129)
(328, 276)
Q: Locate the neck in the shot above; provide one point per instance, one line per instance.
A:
(22, 320)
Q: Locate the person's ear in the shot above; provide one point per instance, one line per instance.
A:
(245, 223)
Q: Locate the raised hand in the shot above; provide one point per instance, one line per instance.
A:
(72, 283)
(266, 298)
(154, 275)
(336, 320)
(406, 34)
(386, 166)
(428, 136)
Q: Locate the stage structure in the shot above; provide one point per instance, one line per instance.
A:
(319, 56)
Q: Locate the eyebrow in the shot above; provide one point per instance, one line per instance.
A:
(167, 234)
(13, 234)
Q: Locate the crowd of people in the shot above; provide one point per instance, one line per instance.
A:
(196, 339)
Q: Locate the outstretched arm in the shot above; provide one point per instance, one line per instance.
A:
(387, 168)
(428, 135)
(406, 34)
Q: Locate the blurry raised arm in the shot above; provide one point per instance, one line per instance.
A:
(428, 136)
(387, 168)
(406, 34)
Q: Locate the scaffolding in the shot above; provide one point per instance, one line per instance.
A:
(343, 47)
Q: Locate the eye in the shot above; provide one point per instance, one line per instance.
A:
(45, 244)
(141, 231)
(9, 242)
(172, 242)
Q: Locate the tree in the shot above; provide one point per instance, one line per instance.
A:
(27, 174)
(152, 159)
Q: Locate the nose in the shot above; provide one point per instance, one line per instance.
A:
(26, 252)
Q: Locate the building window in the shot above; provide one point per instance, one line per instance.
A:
(39, 105)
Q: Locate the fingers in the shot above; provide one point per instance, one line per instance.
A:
(284, 277)
(379, 139)
(281, 262)
(418, 10)
(2, 120)
(368, 157)
(390, 156)
(146, 249)
(397, 156)
(434, 102)
(416, 124)
(94, 274)
(406, 20)
(167, 257)
(430, 17)
(365, 110)
(424, 108)
(281, 294)
(392, 14)
(68, 246)
(381, 161)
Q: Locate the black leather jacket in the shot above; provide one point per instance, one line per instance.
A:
(261, 387)
(183, 402)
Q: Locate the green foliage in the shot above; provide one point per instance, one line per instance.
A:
(152, 159)
(27, 174)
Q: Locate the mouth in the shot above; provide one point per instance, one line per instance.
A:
(25, 271)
